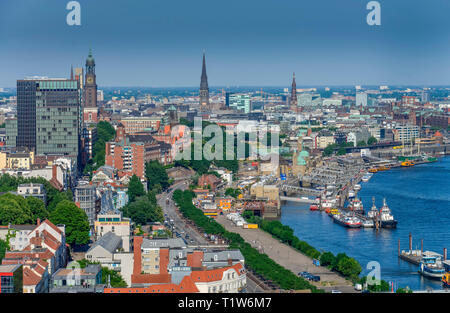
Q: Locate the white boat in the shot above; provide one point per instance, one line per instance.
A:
(366, 177)
(351, 193)
(357, 187)
(368, 223)
(386, 217)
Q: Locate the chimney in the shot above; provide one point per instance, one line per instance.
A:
(230, 262)
(38, 222)
(410, 242)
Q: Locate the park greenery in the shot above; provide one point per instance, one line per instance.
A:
(258, 262)
(75, 219)
(233, 192)
(15, 209)
(105, 133)
(229, 158)
(115, 279)
(331, 148)
(59, 209)
(157, 178)
(135, 188)
(142, 207)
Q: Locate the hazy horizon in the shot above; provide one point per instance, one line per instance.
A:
(248, 43)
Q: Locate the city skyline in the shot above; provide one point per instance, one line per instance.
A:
(247, 44)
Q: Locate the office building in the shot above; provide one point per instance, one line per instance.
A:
(240, 102)
(85, 198)
(48, 115)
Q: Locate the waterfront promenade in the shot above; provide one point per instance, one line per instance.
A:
(288, 257)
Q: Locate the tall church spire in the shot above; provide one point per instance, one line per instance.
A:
(293, 92)
(204, 90)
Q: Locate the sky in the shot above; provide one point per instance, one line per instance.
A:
(159, 43)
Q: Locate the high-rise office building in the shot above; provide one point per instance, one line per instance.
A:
(48, 116)
(204, 90)
(240, 102)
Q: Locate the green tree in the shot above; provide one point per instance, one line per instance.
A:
(143, 211)
(14, 209)
(361, 143)
(75, 220)
(372, 140)
(156, 175)
(327, 258)
(135, 188)
(3, 247)
(105, 133)
(37, 208)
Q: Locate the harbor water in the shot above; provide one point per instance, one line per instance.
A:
(419, 198)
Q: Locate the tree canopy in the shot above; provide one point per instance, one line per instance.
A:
(75, 220)
(143, 210)
(156, 175)
(135, 188)
(16, 209)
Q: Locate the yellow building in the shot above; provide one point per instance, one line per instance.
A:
(224, 203)
(16, 160)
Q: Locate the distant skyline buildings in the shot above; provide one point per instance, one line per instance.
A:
(329, 42)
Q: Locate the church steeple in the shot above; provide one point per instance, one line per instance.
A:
(293, 92)
(204, 89)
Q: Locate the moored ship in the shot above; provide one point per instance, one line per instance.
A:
(386, 218)
(431, 267)
(356, 206)
(347, 221)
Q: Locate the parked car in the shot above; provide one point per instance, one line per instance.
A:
(336, 291)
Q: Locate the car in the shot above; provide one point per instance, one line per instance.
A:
(336, 291)
(315, 278)
(187, 236)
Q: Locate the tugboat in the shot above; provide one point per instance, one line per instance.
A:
(313, 207)
(431, 267)
(386, 217)
(373, 212)
(356, 206)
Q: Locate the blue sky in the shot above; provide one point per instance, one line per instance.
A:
(159, 43)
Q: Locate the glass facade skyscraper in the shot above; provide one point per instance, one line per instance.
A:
(48, 116)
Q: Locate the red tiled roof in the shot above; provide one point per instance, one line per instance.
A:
(30, 278)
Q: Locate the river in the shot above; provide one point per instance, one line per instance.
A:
(419, 198)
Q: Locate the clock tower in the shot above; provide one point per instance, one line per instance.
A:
(90, 109)
(90, 87)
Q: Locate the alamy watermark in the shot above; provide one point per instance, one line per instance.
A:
(214, 142)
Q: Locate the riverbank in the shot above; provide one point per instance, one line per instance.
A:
(419, 199)
(288, 257)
